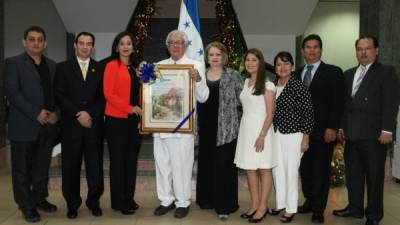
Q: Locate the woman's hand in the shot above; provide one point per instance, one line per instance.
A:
(137, 110)
(259, 145)
(305, 143)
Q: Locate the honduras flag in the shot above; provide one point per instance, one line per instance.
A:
(189, 22)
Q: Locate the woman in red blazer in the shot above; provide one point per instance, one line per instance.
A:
(122, 93)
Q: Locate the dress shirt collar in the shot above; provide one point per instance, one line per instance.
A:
(80, 61)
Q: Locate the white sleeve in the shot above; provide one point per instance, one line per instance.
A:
(269, 86)
(201, 88)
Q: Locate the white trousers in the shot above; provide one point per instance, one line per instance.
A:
(286, 174)
(174, 158)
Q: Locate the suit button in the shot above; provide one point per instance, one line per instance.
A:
(365, 99)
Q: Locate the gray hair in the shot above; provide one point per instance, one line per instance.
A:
(179, 33)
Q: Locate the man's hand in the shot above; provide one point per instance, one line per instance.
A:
(42, 117)
(340, 135)
(51, 117)
(84, 119)
(385, 138)
(194, 74)
(330, 135)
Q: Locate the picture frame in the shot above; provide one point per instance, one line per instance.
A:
(168, 102)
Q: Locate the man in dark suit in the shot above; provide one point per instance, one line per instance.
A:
(326, 84)
(372, 102)
(79, 93)
(29, 89)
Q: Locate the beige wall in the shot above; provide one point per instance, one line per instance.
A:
(338, 25)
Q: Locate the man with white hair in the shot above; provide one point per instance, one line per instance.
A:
(174, 152)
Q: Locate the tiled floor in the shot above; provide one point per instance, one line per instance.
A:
(11, 216)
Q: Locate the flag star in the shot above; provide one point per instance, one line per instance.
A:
(190, 42)
(186, 24)
(201, 52)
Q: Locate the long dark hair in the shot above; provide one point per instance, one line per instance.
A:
(114, 48)
(259, 86)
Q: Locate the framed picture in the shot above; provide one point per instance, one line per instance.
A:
(168, 102)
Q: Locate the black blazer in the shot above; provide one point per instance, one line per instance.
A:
(375, 105)
(24, 92)
(294, 110)
(73, 94)
(328, 96)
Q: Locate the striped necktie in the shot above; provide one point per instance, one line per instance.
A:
(359, 80)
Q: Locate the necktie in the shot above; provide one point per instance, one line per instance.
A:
(359, 80)
(307, 75)
(84, 70)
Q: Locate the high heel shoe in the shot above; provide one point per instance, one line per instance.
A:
(254, 220)
(287, 219)
(275, 212)
(247, 216)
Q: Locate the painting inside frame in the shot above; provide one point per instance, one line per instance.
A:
(168, 102)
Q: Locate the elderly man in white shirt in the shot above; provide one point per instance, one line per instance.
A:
(174, 152)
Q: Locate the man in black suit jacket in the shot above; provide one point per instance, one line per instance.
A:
(29, 89)
(326, 84)
(372, 102)
(79, 93)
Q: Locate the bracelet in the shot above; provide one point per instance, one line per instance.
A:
(262, 134)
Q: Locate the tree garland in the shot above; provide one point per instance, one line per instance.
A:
(139, 25)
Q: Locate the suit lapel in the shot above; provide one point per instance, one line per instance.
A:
(318, 75)
(29, 65)
(91, 71)
(77, 70)
(369, 77)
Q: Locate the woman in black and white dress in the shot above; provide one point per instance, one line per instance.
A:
(293, 122)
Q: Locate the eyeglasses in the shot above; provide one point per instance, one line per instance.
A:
(176, 43)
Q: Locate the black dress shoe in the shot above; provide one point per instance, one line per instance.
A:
(72, 213)
(161, 210)
(181, 212)
(275, 212)
(46, 206)
(287, 219)
(303, 209)
(247, 216)
(347, 213)
(129, 211)
(96, 211)
(317, 218)
(257, 220)
(31, 215)
(372, 222)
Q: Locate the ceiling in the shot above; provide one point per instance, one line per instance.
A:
(255, 16)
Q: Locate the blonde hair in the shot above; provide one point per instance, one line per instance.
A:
(219, 46)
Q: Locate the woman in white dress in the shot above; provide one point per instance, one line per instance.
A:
(255, 152)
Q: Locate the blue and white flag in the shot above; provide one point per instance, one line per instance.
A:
(189, 22)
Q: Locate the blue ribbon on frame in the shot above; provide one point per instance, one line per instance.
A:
(183, 121)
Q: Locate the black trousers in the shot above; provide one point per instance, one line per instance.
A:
(315, 167)
(217, 178)
(73, 149)
(365, 163)
(30, 169)
(123, 141)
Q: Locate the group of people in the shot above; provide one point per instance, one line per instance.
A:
(275, 130)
